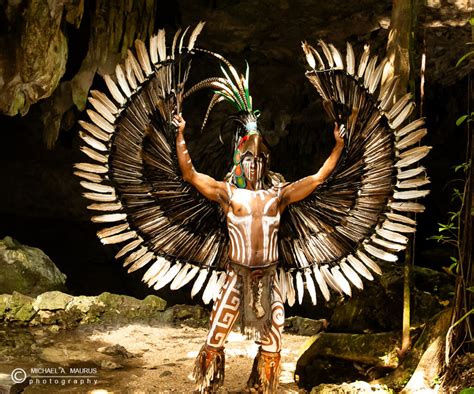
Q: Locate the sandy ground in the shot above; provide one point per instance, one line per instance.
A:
(154, 360)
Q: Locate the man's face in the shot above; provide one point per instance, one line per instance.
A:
(254, 167)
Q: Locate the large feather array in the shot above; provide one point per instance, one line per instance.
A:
(356, 217)
(329, 241)
(134, 179)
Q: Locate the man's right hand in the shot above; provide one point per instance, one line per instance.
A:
(179, 122)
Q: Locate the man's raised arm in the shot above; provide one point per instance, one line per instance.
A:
(207, 186)
(297, 191)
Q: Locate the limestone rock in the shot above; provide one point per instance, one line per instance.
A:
(52, 300)
(27, 270)
(350, 388)
(303, 326)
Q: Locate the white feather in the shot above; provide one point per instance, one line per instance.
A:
(104, 100)
(219, 284)
(100, 121)
(290, 295)
(379, 253)
(410, 173)
(95, 187)
(392, 236)
(115, 206)
(189, 276)
(402, 116)
(350, 59)
(114, 91)
(387, 244)
(412, 156)
(154, 50)
(410, 194)
(161, 44)
(369, 262)
(165, 267)
(400, 218)
(310, 286)
(102, 109)
(115, 239)
(168, 277)
(194, 34)
(141, 262)
(341, 281)
(129, 247)
(415, 182)
(321, 283)
(329, 279)
(95, 131)
(94, 155)
(109, 218)
(100, 197)
(122, 81)
(407, 207)
(210, 288)
(88, 167)
(199, 281)
(108, 231)
(352, 275)
(153, 270)
(176, 284)
(411, 139)
(283, 286)
(143, 58)
(92, 142)
(299, 287)
(359, 267)
(397, 227)
(410, 127)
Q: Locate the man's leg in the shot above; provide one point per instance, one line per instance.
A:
(209, 367)
(266, 367)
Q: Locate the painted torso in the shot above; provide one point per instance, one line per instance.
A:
(253, 220)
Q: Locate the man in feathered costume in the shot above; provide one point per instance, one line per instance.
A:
(231, 237)
(253, 207)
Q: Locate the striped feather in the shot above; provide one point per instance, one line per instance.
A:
(329, 279)
(219, 285)
(163, 268)
(194, 35)
(402, 116)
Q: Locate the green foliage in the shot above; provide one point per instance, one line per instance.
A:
(469, 390)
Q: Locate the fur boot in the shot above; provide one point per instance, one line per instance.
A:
(209, 369)
(265, 372)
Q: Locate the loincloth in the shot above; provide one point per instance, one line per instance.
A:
(256, 288)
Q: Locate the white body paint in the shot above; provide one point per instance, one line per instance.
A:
(253, 221)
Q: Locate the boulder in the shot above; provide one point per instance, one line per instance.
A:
(52, 300)
(27, 270)
(350, 388)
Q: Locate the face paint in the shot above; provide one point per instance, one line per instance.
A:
(253, 167)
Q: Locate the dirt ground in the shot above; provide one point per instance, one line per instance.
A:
(130, 359)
